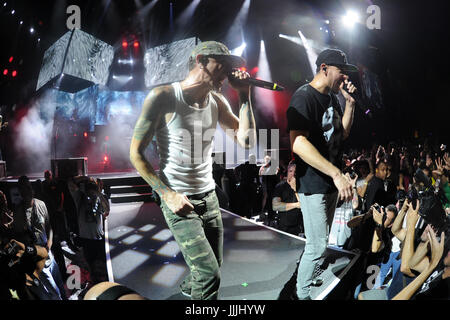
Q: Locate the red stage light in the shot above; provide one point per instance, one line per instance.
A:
(136, 44)
(5, 72)
(11, 59)
(106, 158)
(254, 71)
(14, 73)
(125, 44)
(85, 134)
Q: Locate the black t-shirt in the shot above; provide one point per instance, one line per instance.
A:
(434, 288)
(376, 193)
(284, 191)
(320, 115)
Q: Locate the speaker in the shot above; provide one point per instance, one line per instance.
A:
(71, 167)
(2, 170)
(75, 62)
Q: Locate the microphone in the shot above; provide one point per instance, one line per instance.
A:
(354, 95)
(256, 83)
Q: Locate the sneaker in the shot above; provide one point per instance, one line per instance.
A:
(186, 293)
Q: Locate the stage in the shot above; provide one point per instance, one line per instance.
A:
(259, 262)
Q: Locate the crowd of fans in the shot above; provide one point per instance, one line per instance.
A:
(398, 221)
(49, 226)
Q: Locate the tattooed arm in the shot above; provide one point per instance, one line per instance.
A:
(277, 205)
(243, 129)
(153, 114)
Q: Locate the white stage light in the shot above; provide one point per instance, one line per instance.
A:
(239, 50)
(350, 19)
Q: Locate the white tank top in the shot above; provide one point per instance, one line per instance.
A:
(185, 146)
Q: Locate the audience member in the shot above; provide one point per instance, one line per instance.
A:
(287, 204)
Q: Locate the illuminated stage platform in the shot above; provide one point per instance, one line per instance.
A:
(259, 262)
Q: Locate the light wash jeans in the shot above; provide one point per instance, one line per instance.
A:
(318, 214)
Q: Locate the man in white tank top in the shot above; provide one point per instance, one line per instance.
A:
(183, 116)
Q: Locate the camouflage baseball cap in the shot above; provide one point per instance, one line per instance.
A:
(214, 48)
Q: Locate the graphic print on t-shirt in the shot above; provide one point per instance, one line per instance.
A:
(331, 125)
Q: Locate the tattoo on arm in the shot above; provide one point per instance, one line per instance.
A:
(142, 128)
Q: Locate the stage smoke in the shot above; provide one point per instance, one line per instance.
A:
(33, 134)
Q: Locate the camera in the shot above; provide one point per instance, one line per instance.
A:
(431, 205)
(377, 207)
(10, 253)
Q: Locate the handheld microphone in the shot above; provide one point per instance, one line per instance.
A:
(354, 95)
(256, 83)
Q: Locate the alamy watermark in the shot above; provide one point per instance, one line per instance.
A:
(374, 20)
(74, 20)
(191, 148)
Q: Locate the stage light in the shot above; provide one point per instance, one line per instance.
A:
(310, 52)
(5, 4)
(136, 44)
(11, 59)
(327, 21)
(350, 19)
(21, 22)
(12, 12)
(31, 30)
(121, 61)
(14, 74)
(85, 134)
(5, 72)
(239, 50)
(105, 158)
(368, 111)
(124, 44)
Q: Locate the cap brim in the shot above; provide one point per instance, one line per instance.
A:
(235, 61)
(348, 68)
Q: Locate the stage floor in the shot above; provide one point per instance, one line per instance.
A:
(259, 262)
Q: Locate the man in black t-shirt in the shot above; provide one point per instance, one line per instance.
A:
(286, 202)
(376, 192)
(317, 128)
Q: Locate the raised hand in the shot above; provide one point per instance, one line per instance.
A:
(437, 248)
(350, 88)
(424, 236)
(413, 215)
(377, 216)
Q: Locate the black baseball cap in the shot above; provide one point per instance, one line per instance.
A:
(335, 57)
